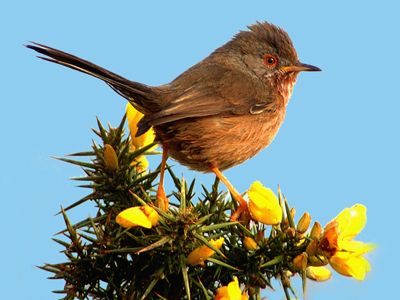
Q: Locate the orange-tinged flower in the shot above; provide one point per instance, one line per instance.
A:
(134, 117)
(110, 158)
(330, 239)
(231, 292)
(318, 273)
(264, 205)
(348, 223)
(143, 216)
(200, 254)
(345, 255)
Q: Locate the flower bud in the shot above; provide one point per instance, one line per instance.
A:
(317, 260)
(300, 262)
(292, 213)
(290, 232)
(304, 223)
(318, 273)
(312, 248)
(110, 158)
(250, 244)
(286, 282)
(260, 236)
(315, 231)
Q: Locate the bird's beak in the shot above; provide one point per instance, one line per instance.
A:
(299, 67)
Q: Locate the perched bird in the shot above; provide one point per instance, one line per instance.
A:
(218, 113)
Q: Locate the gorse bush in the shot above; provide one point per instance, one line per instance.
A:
(138, 248)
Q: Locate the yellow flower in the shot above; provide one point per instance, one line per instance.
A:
(231, 292)
(318, 273)
(250, 244)
(349, 261)
(352, 221)
(200, 254)
(144, 216)
(345, 255)
(264, 205)
(110, 158)
(134, 117)
(141, 163)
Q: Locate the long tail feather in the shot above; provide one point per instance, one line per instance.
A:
(136, 92)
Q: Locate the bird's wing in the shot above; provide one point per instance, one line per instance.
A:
(220, 91)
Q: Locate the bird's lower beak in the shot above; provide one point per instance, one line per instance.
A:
(299, 67)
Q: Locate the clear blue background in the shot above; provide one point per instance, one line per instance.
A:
(338, 146)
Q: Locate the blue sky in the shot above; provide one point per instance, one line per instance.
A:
(338, 146)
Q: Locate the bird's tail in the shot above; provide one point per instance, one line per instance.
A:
(141, 95)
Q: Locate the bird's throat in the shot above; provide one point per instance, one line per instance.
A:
(284, 84)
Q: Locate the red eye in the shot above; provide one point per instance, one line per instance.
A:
(270, 60)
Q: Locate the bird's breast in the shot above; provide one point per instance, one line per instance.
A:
(224, 141)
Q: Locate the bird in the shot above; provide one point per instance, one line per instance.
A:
(218, 113)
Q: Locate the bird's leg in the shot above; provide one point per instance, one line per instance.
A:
(243, 208)
(162, 200)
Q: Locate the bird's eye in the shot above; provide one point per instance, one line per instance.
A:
(270, 60)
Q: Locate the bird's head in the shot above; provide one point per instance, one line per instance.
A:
(269, 54)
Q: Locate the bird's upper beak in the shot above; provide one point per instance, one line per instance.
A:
(299, 67)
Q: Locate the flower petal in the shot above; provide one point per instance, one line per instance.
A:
(264, 205)
(151, 214)
(318, 273)
(140, 163)
(110, 158)
(143, 216)
(351, 221)
(230, 292)
(134, 116)
(222, 293)
(355, 266)
(329, 243)
(200, 254)
(234, 290)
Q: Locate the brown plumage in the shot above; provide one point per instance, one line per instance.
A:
(223, 110)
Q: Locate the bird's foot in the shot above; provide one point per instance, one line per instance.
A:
(162, 201)
(242, 213)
